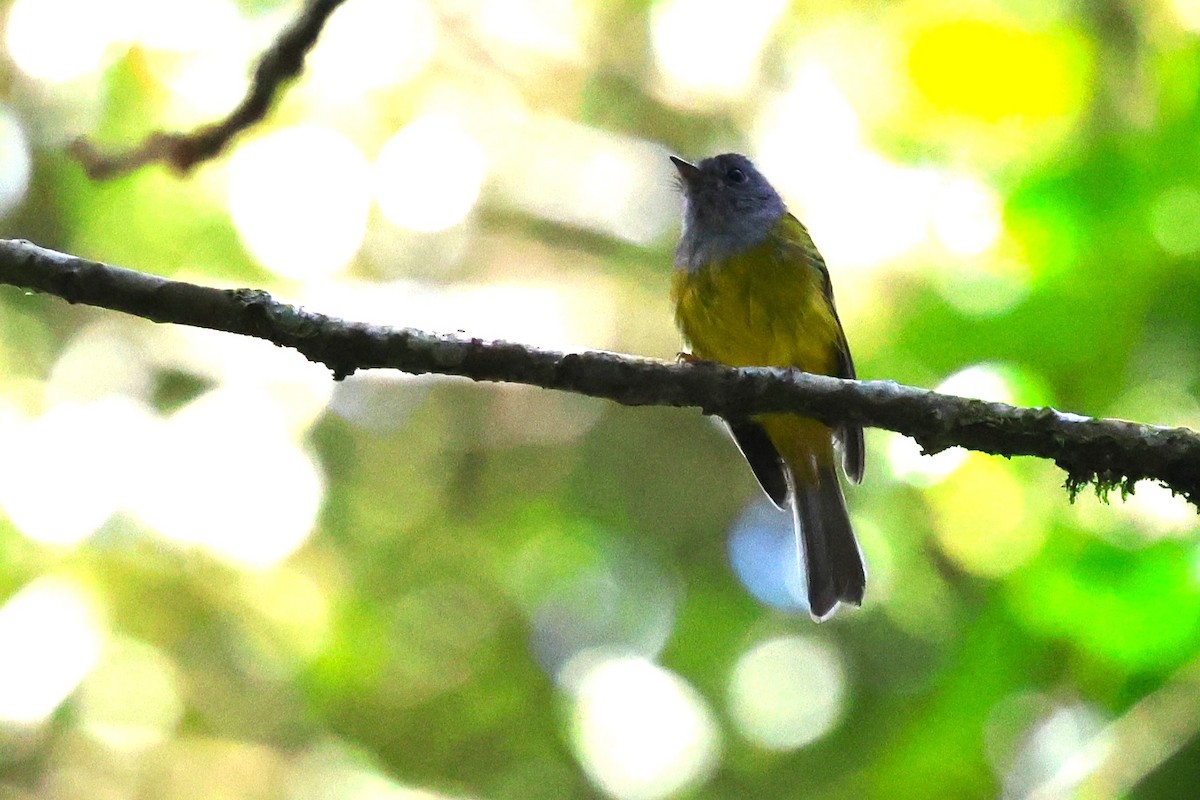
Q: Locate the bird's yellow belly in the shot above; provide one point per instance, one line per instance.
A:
(753, 310)
(756, 310)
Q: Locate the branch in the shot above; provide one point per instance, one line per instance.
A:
(1107, 452)
(282, 61)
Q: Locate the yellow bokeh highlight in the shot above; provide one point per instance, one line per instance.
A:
(994, 71)
(982, 521)
(1186, 13)
(131, 700)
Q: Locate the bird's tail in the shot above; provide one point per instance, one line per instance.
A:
(832, 560)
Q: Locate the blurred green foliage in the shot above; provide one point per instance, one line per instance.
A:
(223, 577)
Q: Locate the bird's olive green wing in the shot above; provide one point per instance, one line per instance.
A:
(848, 435)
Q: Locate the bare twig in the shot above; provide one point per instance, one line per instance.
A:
(1110, 453)
(182, 151)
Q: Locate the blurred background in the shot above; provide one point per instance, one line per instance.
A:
(224, 576)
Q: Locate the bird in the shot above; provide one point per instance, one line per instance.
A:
(750, 288)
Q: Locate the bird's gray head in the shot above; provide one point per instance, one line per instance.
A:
(728, 207)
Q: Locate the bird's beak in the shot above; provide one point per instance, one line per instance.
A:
(690, 173)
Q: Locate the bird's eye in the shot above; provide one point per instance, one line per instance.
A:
(735, 175)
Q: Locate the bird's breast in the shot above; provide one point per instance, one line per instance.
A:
(765, 306)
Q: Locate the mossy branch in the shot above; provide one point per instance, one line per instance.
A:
(1107, 453)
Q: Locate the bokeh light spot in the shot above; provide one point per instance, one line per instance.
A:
(551, 27)
(60, 40)
(908, 462)
(905, 458)
(16, 165)
(1175, 220)
(205, 87)
(131, 700)
(370, 44)
(182, 25)
(1155, 509)
(987, 286)
(296, 606)
(699, 51)
(331, 769)
(1008, 724)
(837, 184)
(1058, 752)
(978, 382)
(642, 732)
(622, 604)
(244, 492)
(982, 520)
(545, 314)
(787, 692)
(585, 592)
(585, 177)
(1187, 13)
(67, 471)
(428, 176)
(785, 134)
(762, 552)
(200, 51)
(299, 198)
(993, 71)
(101, 360)
(296, 391)
(966, 215)
(51, 637)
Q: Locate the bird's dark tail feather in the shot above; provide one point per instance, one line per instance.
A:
(832, 559)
